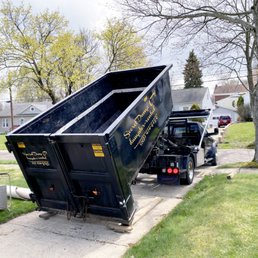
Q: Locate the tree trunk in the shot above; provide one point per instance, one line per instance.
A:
(53, 97)
(255, 118)
(254, 93)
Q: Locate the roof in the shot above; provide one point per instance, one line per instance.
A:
(193, 95)
(20, 109)
(229, 89)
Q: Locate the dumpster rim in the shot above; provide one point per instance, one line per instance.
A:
(33, 120)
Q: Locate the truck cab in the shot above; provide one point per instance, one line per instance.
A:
(189, 133)
(183, 145)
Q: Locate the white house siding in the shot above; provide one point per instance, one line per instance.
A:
(185, 106)
(207, 101)
(204, 102)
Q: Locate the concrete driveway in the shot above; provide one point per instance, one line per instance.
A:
(30, 236)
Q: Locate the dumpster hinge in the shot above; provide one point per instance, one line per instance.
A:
(51, 141)
(9, 147)
(84, 209)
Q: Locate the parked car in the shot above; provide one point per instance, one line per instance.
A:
(224, 120)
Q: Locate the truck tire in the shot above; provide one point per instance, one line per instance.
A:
(214, 161)
(189, 172)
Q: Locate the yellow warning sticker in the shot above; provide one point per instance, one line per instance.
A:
(98, 150)
(21, 145)
(99, 154)
(96, 147)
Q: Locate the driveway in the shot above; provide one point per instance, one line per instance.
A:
(30, 236)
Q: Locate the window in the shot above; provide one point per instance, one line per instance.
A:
(32, 108)
(5, 123)
(21, 121)
(193, 128)
(179, 131)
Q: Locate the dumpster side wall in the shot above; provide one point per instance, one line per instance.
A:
(110, 128)
(135, 137)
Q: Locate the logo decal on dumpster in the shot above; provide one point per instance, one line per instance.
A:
(142, 123)
(37, 158)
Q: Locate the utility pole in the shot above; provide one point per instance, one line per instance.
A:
(11, 106)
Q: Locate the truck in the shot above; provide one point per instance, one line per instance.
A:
(183, 145)
(82, 155)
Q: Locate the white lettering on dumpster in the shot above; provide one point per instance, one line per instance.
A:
(37, 158)
(142, 123)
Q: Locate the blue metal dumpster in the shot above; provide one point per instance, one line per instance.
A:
(82, 155)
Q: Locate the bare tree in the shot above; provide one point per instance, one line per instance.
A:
(229, 31)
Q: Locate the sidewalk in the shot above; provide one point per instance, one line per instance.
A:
(5, 155)
(30, 236)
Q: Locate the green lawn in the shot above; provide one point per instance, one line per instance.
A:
(2, 141)
(240, 135)
(250, 164)
(218, 218)
(17, 207)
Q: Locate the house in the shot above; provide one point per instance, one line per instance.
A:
(226, 98)
(221, 92)
(22, 113)
(231, 101)
(184, 99)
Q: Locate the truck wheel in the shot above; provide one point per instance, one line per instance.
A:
(189, 173)
(214, 161)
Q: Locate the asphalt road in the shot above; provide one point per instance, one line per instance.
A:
(30, 236)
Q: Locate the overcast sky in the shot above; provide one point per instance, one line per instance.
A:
(92, 14)
(88, 14)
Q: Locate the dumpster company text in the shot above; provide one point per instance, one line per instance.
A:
(143, 123)
(37, 158)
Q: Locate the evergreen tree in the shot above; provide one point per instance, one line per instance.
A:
(240, 101)
(192, 72)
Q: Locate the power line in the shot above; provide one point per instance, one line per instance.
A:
(215, 80)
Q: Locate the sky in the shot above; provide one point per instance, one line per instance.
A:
(89, 14)
(92, 15)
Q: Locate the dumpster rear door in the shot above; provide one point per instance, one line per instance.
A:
(41, 168)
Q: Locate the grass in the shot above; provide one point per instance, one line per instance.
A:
(240, 135)
(240, 165)
(18, 207)
(2, 141)
(8, 162)
(218, 218)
